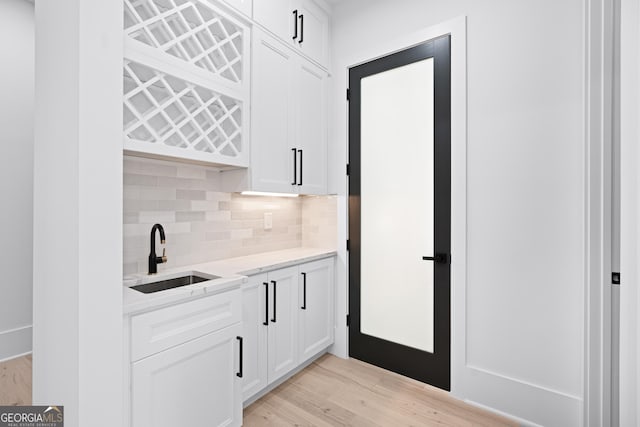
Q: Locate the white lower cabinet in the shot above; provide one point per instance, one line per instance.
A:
(281, 332)
(195, 381)
(271, 332)
(316, 319)
(193, 384)
(254, 324)
(283, 326)
(195, 363)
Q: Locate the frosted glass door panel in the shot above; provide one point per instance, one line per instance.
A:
(397, 205)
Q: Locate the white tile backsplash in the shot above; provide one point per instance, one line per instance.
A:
(320, 221)
(204, 224)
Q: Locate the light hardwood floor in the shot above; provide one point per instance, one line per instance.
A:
(15, 382)
(330, 392)
(337, 392)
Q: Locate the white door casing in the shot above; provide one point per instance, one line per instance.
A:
(630, 211)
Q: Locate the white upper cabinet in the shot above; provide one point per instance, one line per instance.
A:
(273, 125)
(313, 37)
(243, 6)
(277, 16)
(300, 23)
(186, 82)
(311, 121)
(289, 128)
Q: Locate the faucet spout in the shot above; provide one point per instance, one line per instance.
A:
(154, 260)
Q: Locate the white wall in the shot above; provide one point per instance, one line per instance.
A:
(77, 276)
(630, 233)
(524, 347)
(16, 174)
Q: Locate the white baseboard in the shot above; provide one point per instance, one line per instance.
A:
(15, 343)
(521, 422)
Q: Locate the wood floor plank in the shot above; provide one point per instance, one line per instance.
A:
(399, 408)
(15, 382)
(309, 402)
(388, 412)
(430, 399)
(353, 393)
(331, 392)
(279, 412)
(395, 386)
(264, 414)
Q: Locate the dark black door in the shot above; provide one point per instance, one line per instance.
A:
(400, 212)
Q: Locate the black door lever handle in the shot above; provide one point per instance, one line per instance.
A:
(439, 258)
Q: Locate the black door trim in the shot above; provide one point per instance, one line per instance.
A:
(432, 368)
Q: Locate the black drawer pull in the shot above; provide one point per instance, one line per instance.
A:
(301, 28)
(239, 374)
(301, 162)
(274, 300)
(295, 23)
(266, 304)
(295, 167)
(304, 291)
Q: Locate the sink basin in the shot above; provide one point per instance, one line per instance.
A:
(163, 285)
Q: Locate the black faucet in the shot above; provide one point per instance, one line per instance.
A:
(153, 258)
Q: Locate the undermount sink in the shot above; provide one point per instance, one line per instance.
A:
(163, 285)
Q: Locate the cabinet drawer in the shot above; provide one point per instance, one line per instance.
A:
(161, 329)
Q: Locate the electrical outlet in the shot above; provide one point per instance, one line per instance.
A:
(268, 220)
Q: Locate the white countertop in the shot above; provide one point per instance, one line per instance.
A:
(232, 273)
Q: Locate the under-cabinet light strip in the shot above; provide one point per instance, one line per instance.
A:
(259, 193)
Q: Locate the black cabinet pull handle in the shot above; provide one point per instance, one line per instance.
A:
(266, 304)
(239, 374)
(295, 23)
(274, 301)
(304, 291)
(439, 258)
(295, 166)
(301, 29)
(300, 152)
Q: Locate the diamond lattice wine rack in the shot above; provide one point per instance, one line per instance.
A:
(186, 85)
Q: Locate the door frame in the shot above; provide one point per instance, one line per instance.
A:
(430, 367)
(457, 28)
